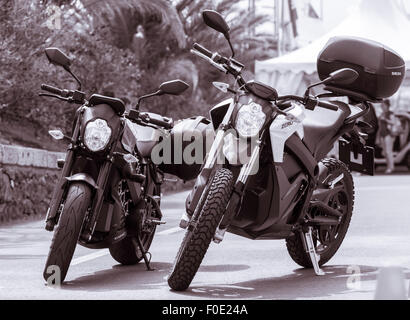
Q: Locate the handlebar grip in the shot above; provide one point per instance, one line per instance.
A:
(51, 89)
(328, 105)
(161, 123)
(203, 50)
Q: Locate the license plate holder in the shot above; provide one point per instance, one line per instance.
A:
(363, 163)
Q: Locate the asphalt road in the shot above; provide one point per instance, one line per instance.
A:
(235, 269)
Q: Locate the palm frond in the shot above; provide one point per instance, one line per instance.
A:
(123, 17)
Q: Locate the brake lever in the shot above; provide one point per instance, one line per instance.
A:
(41, 94)
(216, 65)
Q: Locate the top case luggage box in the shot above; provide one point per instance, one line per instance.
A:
(381, 70)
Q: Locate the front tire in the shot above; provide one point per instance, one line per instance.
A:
(196, 241)
(343, 202)
(68, 231)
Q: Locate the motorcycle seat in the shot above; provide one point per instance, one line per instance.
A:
(321, 125)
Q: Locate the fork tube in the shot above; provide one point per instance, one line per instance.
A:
(247, 169)
(59, 189)
(98, 199)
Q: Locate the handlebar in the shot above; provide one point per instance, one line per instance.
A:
(52, 89)
(234, 67)
(161, 123)
(69, 96)
(203, 50)
(226, 65)
(144, 118)
(327, 105)
(311, 102)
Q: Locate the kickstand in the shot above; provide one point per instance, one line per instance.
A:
(310, 248)
(137, 243)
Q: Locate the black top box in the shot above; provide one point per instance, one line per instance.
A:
(381, 70)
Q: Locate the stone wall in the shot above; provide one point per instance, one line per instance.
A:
(27, 179)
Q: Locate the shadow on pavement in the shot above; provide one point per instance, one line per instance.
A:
(302, 283)
(135, 277)
(121, 277)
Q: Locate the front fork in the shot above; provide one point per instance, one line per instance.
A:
(54, 208)
(196, 195)
(237, 194)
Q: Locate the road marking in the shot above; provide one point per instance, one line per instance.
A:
(170, 231)
(383, 188)
(104, 252)
(91, 256)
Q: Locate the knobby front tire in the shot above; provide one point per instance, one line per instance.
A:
(196, 242)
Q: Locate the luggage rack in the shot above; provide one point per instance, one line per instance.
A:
(356, 99)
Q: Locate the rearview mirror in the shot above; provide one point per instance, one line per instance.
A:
(215, 21)
(342, 76)
(174, 87)
(57, 57)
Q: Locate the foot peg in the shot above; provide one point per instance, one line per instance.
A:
(310, 249)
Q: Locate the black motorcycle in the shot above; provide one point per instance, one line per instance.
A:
(109, 192)
(286, 188)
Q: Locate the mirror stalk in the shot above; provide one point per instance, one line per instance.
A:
(307, 92)
(230, 45)
(74, 76)
(157, 93)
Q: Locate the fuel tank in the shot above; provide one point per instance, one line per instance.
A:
(187, 143)
(144, 138)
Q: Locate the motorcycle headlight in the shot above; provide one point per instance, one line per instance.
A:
(250, 120)
(97, 135)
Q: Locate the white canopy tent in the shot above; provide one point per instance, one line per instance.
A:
(377, 20)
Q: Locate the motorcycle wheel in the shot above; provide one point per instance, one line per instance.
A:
(68, 230)
(327, 240)
(197, 240)
(126, 251)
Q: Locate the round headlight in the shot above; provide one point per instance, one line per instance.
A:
(97, 135)
(250, 120)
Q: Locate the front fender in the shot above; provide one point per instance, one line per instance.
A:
(84, 177)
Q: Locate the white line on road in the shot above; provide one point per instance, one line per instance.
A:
(91, 256)
(170, 231)
(383, 188)
(104, 252)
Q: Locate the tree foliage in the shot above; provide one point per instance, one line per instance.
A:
(124, 48)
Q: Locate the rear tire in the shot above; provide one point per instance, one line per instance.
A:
(68, 230)
(294, 244)
(196, 242)
(125, 251)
